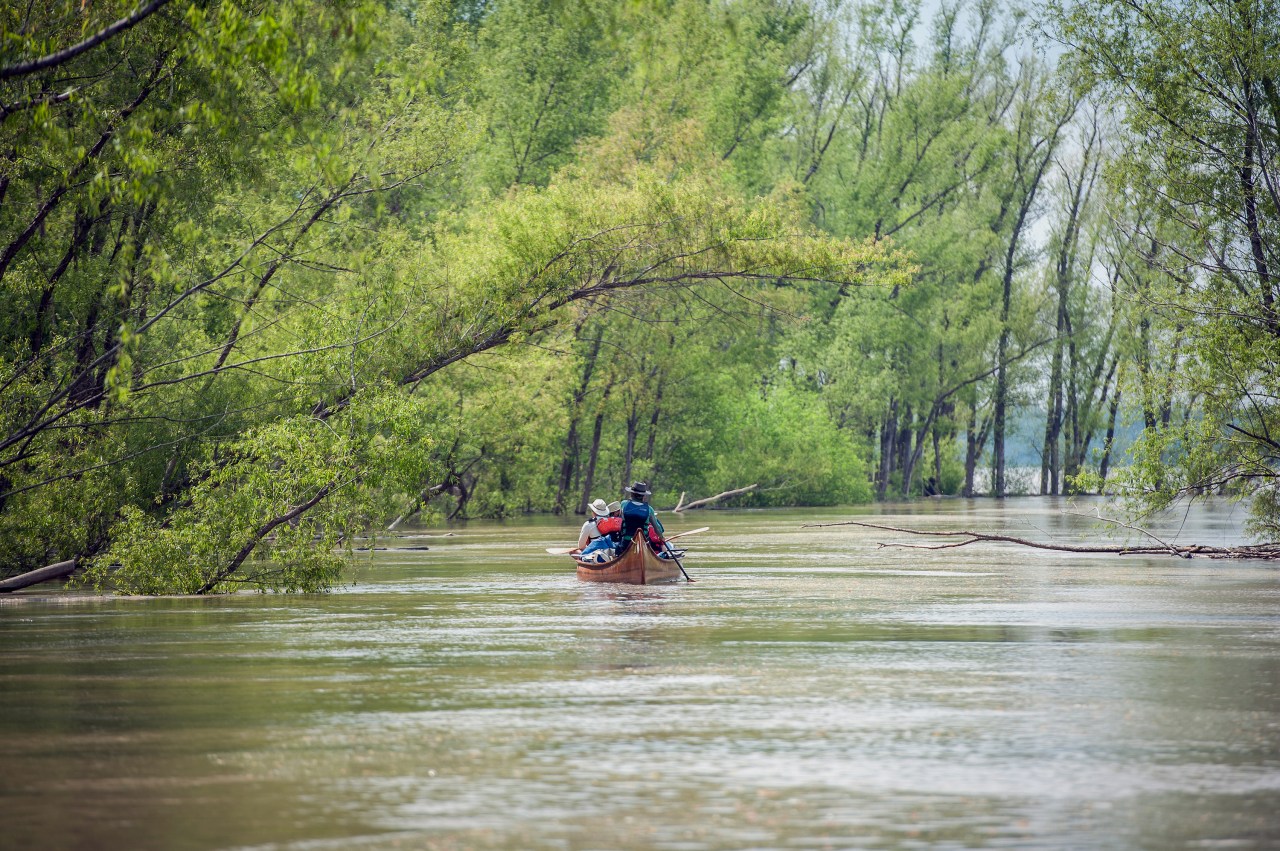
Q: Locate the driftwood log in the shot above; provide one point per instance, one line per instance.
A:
(35, 577)
(1261, 551)
(702, 503)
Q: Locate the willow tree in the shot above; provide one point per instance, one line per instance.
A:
(693, 88)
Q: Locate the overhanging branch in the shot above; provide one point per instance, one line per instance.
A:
(67, 54)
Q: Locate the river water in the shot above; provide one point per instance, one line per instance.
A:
(808, 691)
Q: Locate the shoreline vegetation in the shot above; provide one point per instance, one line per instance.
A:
(276, 275)
(1261, 551)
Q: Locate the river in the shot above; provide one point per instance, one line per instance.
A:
(808, 691)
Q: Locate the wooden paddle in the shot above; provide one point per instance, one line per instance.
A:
(690, 532)
(564, 551)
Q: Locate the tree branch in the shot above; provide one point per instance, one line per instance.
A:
(1259, 551)
(699, 503)
(264, 530)
(69, 53)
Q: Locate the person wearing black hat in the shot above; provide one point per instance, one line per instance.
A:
(639, 516)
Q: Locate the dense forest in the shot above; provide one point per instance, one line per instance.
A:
(274, 273)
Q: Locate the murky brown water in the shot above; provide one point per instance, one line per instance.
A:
(808, 691)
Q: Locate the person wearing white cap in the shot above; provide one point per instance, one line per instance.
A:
(599, 509)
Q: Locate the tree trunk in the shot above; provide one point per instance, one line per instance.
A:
(937, 459)
(975, 442)
(570, 458)
(1256, 239)
(887, 431)
(653, 422)
(1049, 461)
(567, 464)
(588, 478)
(700, 503)
(903, 446)
(1111, 436)
(970, 453)
(910, 447)
(1071, 414)
(35, 577)
(1082, 451)
(997, 444)
(245, 551)
(633, 427)
(44, 312)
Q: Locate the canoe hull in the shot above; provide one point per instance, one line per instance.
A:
(639, 565)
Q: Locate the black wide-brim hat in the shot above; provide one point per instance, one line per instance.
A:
(639, 489)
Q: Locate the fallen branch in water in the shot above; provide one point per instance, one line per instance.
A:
(699, 503)
(35, 577)
(1261, 551)
(1173, 550)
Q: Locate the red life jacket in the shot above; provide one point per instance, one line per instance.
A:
(609, 525)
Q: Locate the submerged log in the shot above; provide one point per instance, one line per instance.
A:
(1259, 551)
(35, 577)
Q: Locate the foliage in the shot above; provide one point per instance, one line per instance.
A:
(1197, 84)
(238, 525)
(783, 440)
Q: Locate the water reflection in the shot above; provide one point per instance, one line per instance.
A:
(809, 691)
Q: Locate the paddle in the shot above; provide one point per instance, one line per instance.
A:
(564, 551)
(690, 532)
(672, 553)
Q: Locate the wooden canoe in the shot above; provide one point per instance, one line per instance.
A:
(639, 565)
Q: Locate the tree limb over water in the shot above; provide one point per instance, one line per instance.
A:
(1261, 551)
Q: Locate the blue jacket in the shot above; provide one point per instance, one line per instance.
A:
(635, 517)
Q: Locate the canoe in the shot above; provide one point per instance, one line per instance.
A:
(639, 565)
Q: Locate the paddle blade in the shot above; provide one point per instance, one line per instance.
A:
(690, 532)
(559, 551)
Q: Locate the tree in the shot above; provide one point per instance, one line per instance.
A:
(546, 75)
(1196, 87)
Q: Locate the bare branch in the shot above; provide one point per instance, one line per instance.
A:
(699, 503)
(1259, 551)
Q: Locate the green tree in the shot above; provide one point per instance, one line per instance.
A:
(546, 74)
(1196, 86)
